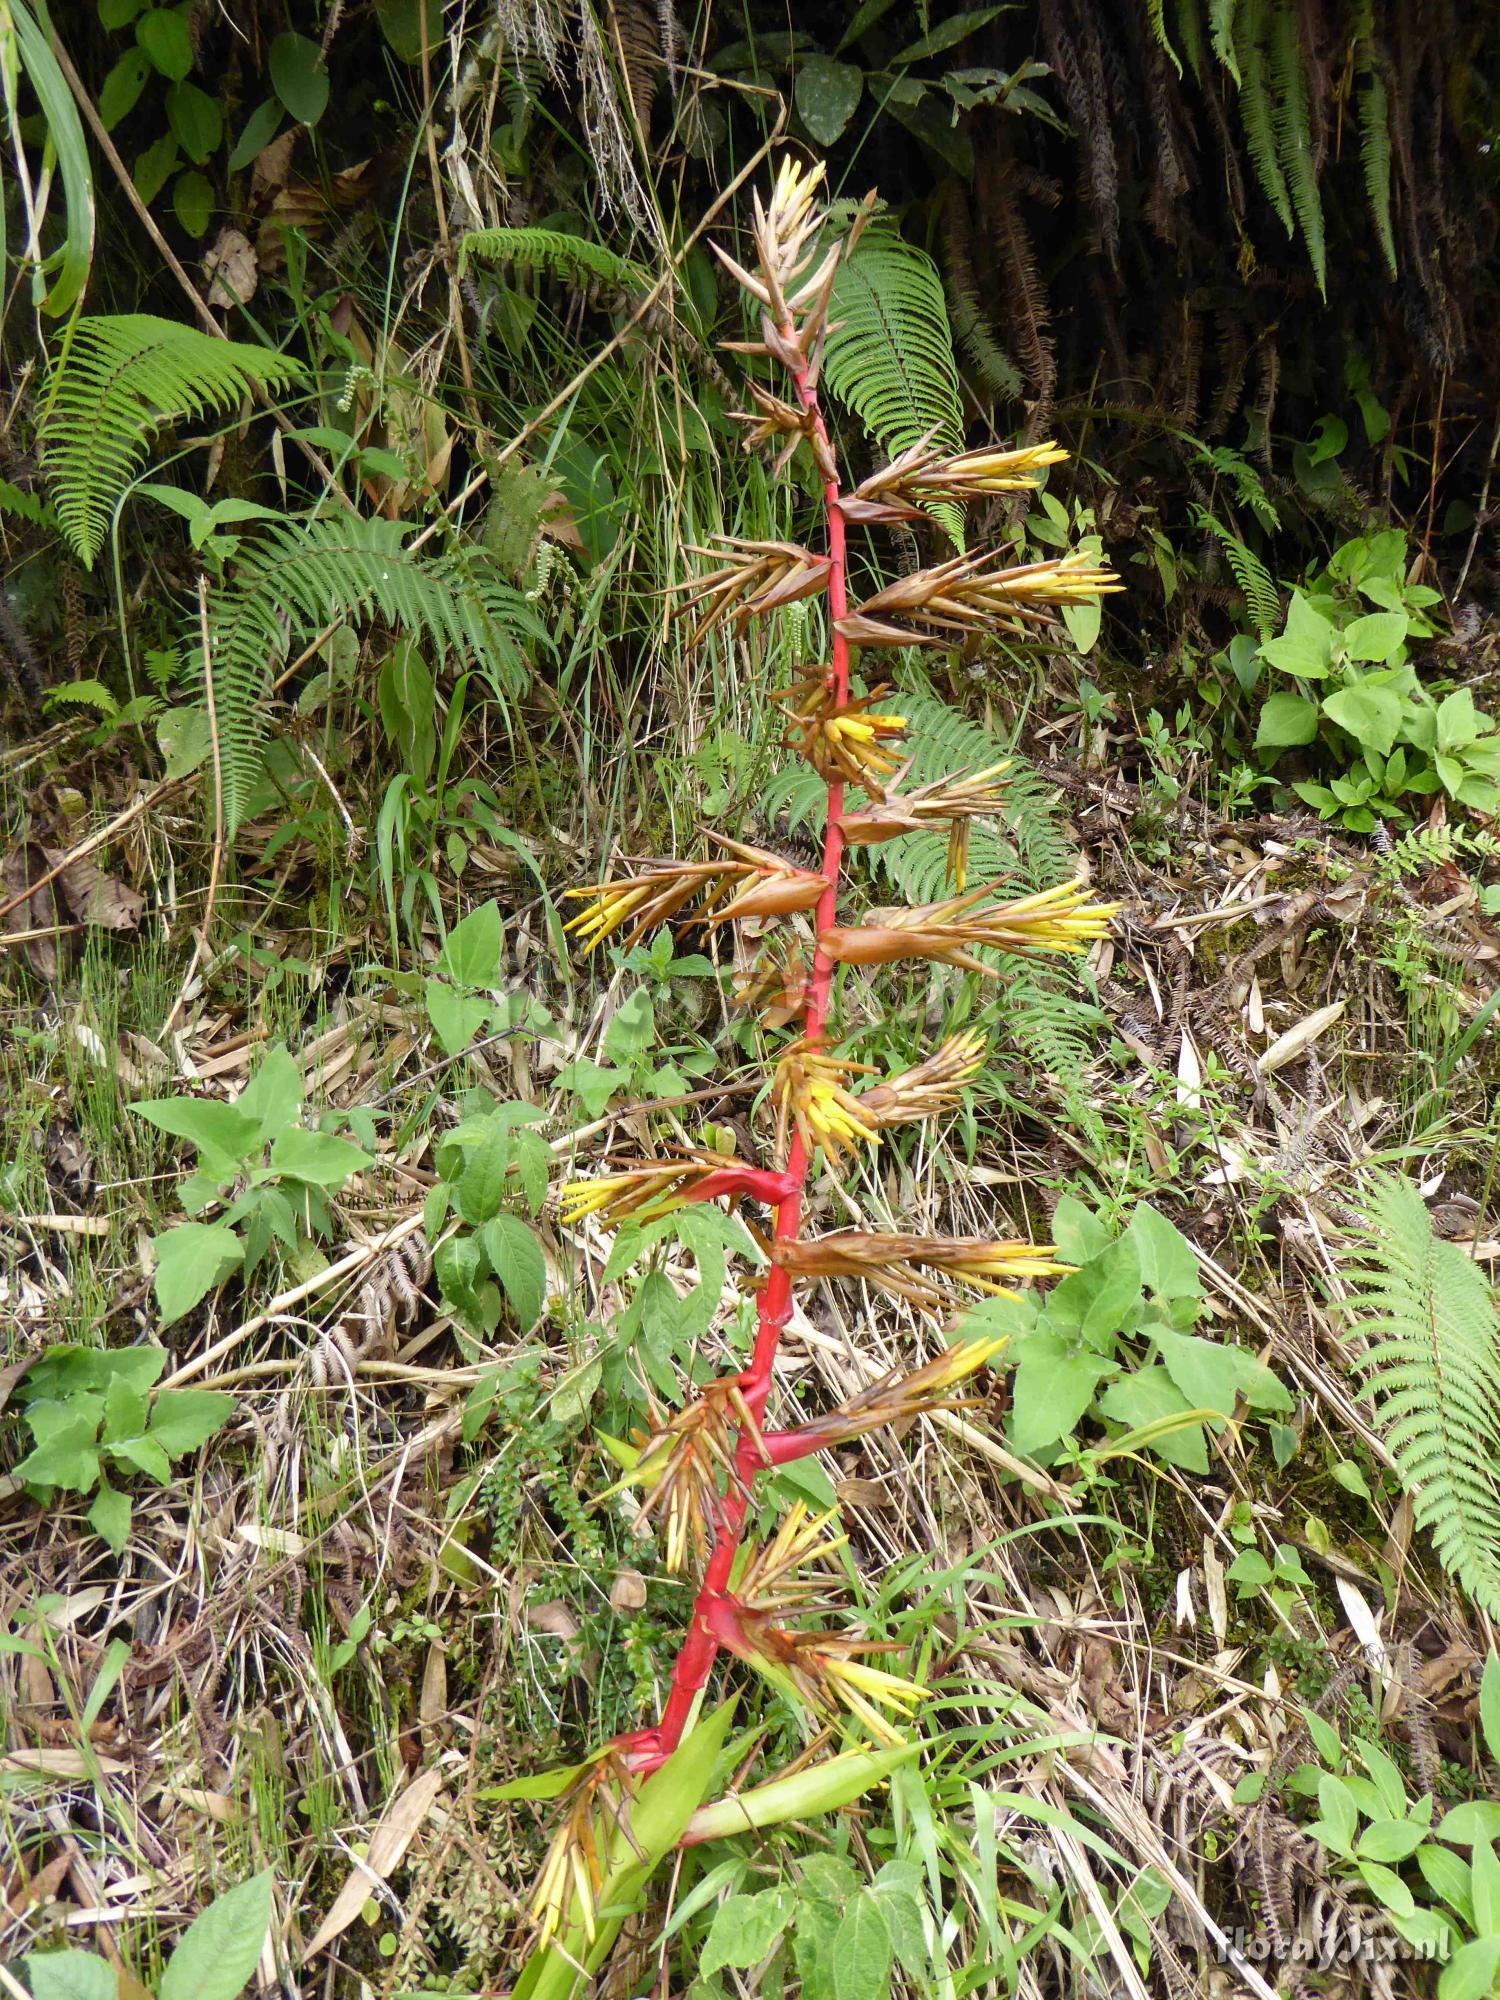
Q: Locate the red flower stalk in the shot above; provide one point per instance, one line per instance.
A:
(697, 1468)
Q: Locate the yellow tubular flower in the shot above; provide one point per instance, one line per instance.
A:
(811, 1095)
(770, 1580)
(756, 882)
(898, 1398)
(572, 1872)
(902, 1264)
(847, 743)
(969, 594)
(680, 1467)
(823, 1670)
(1060, 919)
(930, 1087)
(922, 475)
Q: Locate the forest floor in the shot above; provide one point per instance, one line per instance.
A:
(386, 1584)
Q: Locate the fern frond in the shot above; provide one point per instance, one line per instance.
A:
(26, 506)
(1249, 487)
(83, 694)
(1432, 1371)
(1221, 35)
(575, 258)
(996, 372)
(297, 579)
(1294, 146)
(992, 366)
(891, 361)
(1190, 34)
(1057, 1031)
(1374, 112)
(1256, 112)
(1156, 15)
(1262, 599)
(117, 381)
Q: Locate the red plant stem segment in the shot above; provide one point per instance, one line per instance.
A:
(695, 1661)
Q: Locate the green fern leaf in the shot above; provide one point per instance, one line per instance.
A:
(27, 506)
(989, 361)
(1432, 1370)
(1256, 112)
(1156, 14)
(83, 694)
(1294, 135)
(575, 258)
(1375, 157)
(1221, 35)
(1190, 34)
(1262, 599)
(298, 579)
(891, 360)
(116, 382)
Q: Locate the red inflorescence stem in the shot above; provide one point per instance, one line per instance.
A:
(695, 1660)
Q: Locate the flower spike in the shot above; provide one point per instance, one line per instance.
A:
(821, 1669)
(652, 1188)
(1059, 919)
(894, 1399)
(793, 291)
(754, 577)
(921, 476)
(697, 1472)
(810, 1094)
(775, 981)
(928, 1088)
(842, 741)
(900, 1264)
(680, 1466)
(574, 1867)
(758, 884)
(956, 802)
(773, 417)
(969, 594)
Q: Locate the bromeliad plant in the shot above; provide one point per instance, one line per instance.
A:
(698, 1466)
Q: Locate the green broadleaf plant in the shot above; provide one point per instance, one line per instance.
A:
(272, 1174)
(91, 1412)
